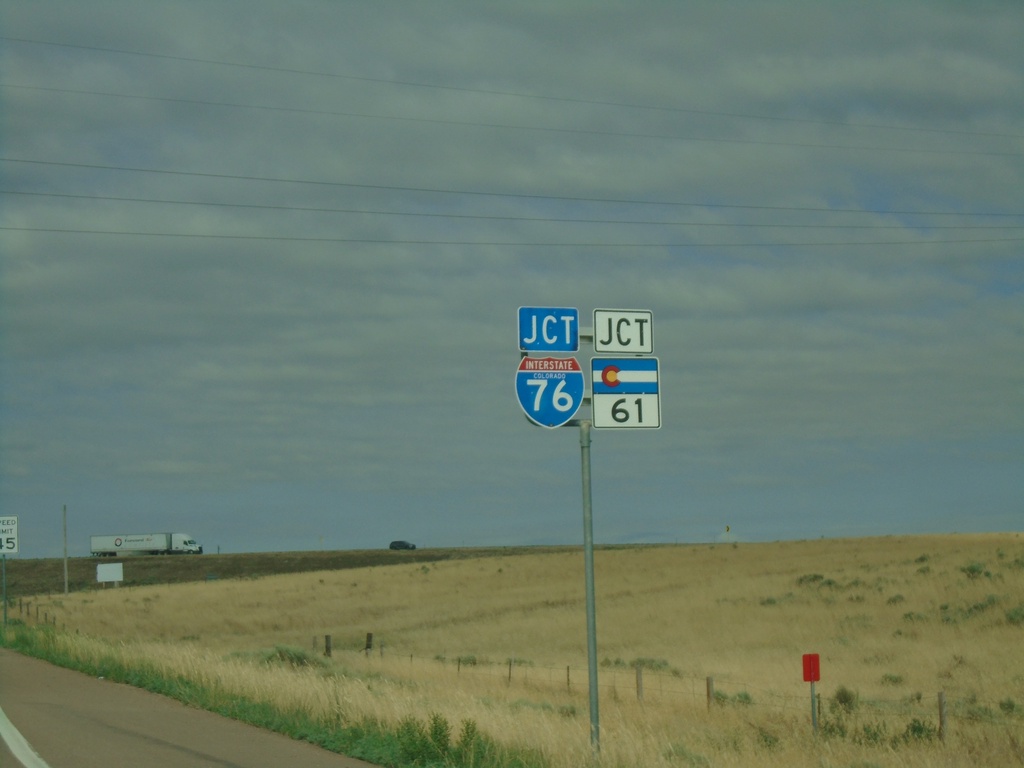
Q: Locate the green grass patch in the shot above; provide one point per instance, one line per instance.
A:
(682, 755)
(975, 570)
(844, 701)
(660, 666)
(410, 743)
(296, 658)
(810, 579)
(742, 699)
(956, 614)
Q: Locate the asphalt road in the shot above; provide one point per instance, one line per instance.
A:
(72, 720)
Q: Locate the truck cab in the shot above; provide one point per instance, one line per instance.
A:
(183, 543)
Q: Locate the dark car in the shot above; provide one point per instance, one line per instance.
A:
(402, 545)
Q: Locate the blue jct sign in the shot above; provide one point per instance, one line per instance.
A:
(550, 390)
(549, 329)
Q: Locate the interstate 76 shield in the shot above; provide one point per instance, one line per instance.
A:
(549, 389)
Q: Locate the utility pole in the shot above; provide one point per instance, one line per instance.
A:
(65, 549)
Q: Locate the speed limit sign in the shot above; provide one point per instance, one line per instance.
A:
(9, 535)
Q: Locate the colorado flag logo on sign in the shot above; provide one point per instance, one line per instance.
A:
(625, 393)
(629, 376)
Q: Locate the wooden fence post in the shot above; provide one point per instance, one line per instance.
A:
(568, 684)
(327, 646)
(943, 725)
(639, 683)
(711, 691)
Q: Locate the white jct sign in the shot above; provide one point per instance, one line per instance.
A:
(623, 331)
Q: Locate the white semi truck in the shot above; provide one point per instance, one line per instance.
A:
(144, 544)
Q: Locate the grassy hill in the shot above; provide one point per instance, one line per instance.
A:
(497, 637)
(45, 576)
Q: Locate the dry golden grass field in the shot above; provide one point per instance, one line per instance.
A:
(500, 638)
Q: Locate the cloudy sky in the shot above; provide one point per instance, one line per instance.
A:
(261, 265)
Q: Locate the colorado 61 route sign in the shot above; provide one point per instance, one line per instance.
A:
(550, 389)
(625, 393)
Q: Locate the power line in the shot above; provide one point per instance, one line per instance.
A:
(513, 127)
(492, 217)
(504, 93)
(503, 243)
(492, 194)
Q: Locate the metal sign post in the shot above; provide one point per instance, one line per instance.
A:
(624, 394)
(65, 549)
(588, 565)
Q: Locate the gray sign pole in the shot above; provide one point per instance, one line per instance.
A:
(5, 590)
(588, 558)
(814, 711)
(537, 322)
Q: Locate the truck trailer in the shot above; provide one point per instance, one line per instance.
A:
(144, 544)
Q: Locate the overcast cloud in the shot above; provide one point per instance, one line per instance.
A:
(261, 264)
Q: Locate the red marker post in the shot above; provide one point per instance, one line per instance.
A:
(812, 674)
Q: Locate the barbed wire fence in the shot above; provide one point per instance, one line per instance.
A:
(639, 682)
(654, 687)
